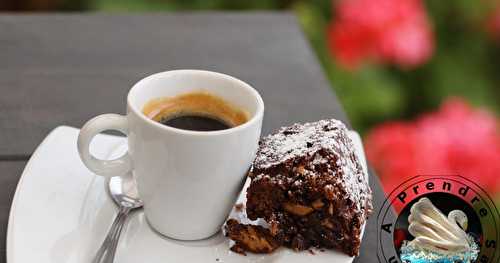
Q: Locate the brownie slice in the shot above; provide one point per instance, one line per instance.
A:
(308, 184)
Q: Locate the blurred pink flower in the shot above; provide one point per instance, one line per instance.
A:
(391, 31)
(493, 24)
(454, 140)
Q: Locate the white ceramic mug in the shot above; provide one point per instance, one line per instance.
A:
(188, 180)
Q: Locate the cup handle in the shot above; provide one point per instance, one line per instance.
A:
(107, 168)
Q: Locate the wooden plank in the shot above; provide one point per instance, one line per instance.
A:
(64, 69)
(9, 176)
(368, 251)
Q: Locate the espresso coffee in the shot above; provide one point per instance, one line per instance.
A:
(195, 123)
(197, 111)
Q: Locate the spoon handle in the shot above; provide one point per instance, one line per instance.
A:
(116, 237)
(107, 250)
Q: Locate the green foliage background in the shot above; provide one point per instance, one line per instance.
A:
(466, 62)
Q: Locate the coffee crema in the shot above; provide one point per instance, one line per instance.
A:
(197, 111)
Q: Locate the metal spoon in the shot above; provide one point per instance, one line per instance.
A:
(123, 190)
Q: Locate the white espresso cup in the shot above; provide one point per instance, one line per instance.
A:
(188, 180)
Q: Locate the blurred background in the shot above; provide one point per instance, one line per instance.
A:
(419, 79)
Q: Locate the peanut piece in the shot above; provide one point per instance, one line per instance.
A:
(326, 223)
(317, 204)
(301, 170)
(330, 209)
(296, 209)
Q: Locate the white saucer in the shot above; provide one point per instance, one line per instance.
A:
(61, 213)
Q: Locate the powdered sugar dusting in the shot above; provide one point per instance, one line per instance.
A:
(319, 159)
(298, 140)
(311, 141)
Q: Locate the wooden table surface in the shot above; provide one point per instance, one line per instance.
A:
(63, 69)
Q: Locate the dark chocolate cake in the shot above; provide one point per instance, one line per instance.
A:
(309, 186)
